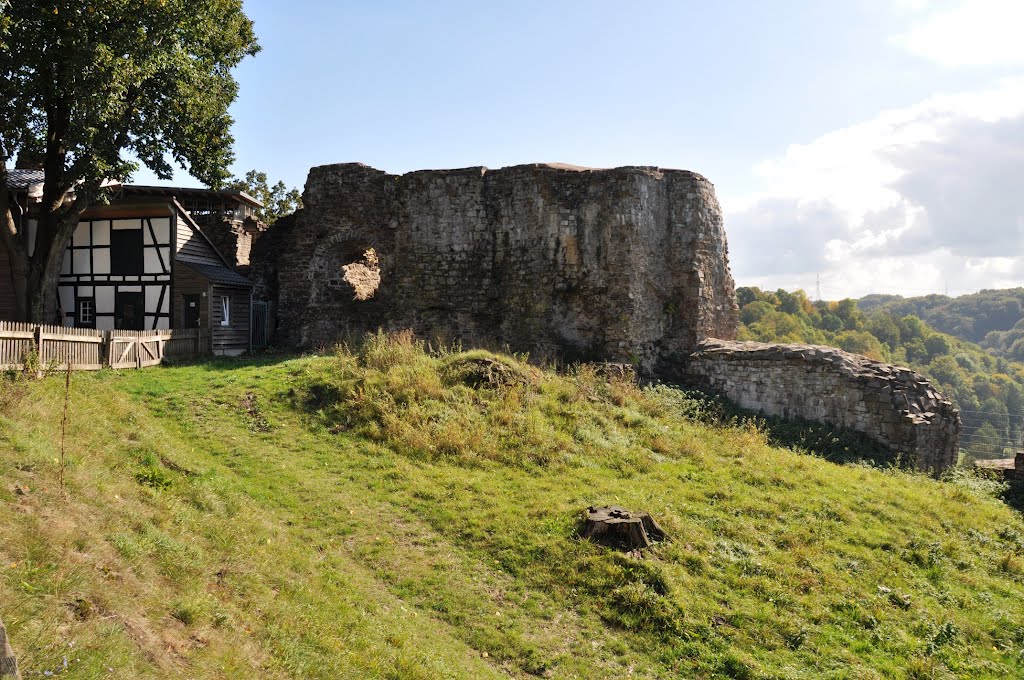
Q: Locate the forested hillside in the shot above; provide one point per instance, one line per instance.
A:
(988, 388)
(991, 318)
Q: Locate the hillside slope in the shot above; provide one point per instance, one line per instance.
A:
(392, 514)
(969, 317)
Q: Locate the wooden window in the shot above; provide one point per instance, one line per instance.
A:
(225, 310)
(126, 254)
(86, 313)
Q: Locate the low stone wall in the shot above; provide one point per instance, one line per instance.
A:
(892, 405)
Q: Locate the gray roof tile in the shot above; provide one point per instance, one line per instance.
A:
(216, 273)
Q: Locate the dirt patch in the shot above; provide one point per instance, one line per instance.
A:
(257, 422)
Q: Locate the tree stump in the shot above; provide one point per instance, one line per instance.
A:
(8, 664)
(620, 528)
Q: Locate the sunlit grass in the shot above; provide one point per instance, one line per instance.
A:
(391, 511)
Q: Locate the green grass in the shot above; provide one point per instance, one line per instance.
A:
(385, 512)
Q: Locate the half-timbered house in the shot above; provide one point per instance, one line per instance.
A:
(143, 262)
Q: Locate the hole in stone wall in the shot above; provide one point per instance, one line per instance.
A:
(363, 275)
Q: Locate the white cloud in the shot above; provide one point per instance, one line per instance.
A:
(975, 33)
(909, 202)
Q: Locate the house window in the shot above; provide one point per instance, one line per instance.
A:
(225, 311)
(86, 313)
(126, 252)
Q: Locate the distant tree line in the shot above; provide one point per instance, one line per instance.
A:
(987, 386)
(990, 317)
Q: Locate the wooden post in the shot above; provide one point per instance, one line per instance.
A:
(8, 663)
(39, 351)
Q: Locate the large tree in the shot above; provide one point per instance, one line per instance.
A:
(277, 200)
(93, 88)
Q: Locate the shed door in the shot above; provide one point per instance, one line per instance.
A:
(129, 311)
(190, 311)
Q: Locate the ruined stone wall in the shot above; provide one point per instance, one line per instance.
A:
(892, 405)
(231, 238)
(627, 264)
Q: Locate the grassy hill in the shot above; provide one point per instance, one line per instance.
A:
(393, 513)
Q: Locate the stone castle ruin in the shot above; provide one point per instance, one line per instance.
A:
(624, 265)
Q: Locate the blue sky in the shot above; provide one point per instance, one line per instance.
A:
(879, 145)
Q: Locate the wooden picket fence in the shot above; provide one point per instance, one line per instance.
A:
(90, 350)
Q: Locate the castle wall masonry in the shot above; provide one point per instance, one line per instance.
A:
(625, 265)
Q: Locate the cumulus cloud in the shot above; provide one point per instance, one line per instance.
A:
(970, 185)
(910, 201)
(784, 236)
(974, 33)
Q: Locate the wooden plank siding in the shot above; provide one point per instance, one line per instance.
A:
(8, 305)
(191, 245)
(214, 279)
(188, 282)
(234, 337)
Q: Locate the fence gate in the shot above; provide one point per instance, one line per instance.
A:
(135, 350)
(260, 328)
(89, 350)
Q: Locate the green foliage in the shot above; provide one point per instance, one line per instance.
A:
(102, 78)
(277, 200)
(989, 317)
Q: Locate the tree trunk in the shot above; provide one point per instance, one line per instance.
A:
(8, 663)
(45, 263)
(17, 256)
(42, 290)
(620, 528)
(10, 241)
(19, 283)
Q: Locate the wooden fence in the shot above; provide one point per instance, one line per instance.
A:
(89, 350)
